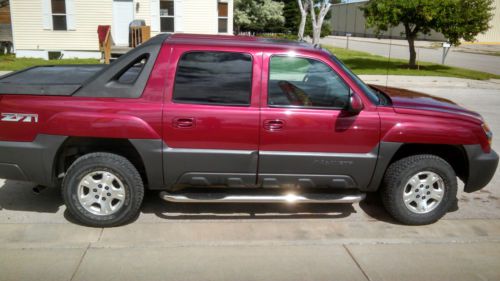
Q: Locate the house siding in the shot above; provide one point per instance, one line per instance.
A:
(29, 34)
(204, 17)
(30, 37)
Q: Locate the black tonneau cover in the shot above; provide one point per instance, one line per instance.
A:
(57, 80)
(86, 80)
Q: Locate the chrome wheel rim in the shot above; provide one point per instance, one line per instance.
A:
(423, 192)
(101, 193)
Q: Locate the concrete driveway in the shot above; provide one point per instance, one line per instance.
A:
(39, 241)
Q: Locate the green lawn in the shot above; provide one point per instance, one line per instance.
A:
(365, 63)
(9, 62)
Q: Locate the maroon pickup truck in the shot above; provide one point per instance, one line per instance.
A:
(235, 119)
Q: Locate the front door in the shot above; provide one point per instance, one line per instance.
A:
(123, 15)
(211, 117)
(307, 138)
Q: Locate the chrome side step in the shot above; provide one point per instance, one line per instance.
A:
(220, 197)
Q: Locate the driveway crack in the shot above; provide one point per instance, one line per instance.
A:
(356, 262)
(80, 262)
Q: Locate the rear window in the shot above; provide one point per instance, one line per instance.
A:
(222, 78)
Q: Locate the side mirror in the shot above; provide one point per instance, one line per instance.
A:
(355, 104)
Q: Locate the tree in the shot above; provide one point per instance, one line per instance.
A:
(303, 7)
(319, 10)
(455, 19)
(292, 15)
(258, 15)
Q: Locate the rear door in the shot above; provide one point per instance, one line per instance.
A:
(307, 138)
(211, 117)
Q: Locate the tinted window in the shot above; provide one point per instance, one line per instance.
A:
(305, 82)
(214, 78)
(131, 73)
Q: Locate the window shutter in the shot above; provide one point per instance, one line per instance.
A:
(155, 15)
(47, 14)
(178, 9)
(70, 14)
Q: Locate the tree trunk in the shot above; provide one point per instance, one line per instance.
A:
(303, 18)
(317, 31)
(413, 55)
(411, 36)
(302, 26)
(317, 20)
(316, 34)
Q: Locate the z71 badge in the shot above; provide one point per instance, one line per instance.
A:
(19, 117)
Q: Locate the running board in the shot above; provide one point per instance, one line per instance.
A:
(219, 197)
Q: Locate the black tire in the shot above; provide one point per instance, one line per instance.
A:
(119, 167)
(394, 185)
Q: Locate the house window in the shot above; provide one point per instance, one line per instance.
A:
(59, 14)
(167, 16)
(222, 13)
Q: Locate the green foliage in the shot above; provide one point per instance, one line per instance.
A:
(280, 36)
(456, 19)
(258, 15)
(291, 12)
(464, 19)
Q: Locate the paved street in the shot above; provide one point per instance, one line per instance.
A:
(486, 63)
(39, 241)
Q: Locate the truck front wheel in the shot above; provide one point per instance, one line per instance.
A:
(102, 190)
(419, 189)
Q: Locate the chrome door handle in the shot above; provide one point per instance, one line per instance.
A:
(274, 124)
(184, 122)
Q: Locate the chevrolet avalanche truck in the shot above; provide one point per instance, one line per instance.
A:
(235, 119)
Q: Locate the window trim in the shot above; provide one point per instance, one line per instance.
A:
(299, 106)
(226, 18)
(167, 16)
(249, 104)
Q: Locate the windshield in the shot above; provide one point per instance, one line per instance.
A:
(370, 93)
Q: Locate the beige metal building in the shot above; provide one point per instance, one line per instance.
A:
(348, 18)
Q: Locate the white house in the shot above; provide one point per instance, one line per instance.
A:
(70, 26)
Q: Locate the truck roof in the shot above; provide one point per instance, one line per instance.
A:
(236, 41)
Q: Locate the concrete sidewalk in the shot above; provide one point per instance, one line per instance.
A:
(236, 250)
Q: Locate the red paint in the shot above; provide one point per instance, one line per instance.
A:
(415, 118)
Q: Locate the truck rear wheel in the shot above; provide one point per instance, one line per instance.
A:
(103, 190)
(419, 189)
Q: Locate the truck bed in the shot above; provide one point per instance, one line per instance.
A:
(56, 80)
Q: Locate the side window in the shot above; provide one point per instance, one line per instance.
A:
(303, 82)
(214, 78)
(130, 74)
